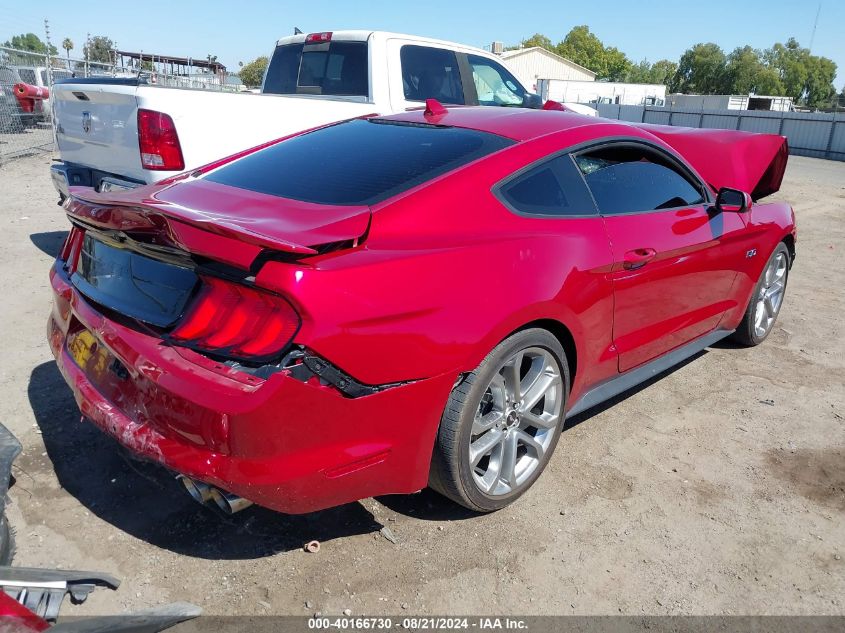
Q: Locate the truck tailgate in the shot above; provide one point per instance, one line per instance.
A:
(96, 126)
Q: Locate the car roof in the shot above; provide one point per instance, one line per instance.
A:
(519, 124)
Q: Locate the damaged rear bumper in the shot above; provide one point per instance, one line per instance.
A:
(291, 445)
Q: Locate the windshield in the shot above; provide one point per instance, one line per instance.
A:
(358, 162)
(325, 68)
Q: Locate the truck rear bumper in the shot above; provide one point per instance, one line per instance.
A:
(67, 175)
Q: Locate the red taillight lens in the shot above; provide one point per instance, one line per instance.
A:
(70, 249)
(315, 38)
(158, 141)
(237, 321)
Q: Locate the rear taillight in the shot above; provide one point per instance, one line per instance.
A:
(69, 252)
(316, 38)
(237, 322)
(158, 142)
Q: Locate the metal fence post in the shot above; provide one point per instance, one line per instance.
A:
(827, 151)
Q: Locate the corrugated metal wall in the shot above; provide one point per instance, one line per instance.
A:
(818, 135)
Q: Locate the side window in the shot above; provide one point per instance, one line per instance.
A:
(494, 84)
(553, 188)
(630, 179)
(431, 73)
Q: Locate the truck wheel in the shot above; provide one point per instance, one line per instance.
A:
(502, 423)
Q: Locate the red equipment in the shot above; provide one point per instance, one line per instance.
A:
(27, 96)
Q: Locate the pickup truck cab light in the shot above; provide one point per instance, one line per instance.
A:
(314, 38)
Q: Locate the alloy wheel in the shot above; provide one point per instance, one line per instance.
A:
(770, 295)
(516, 420)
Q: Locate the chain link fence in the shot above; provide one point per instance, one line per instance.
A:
(26, 123)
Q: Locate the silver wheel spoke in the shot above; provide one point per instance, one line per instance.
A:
(484, 445)
(529, 441)
(538, 421)
(486, 422)
(538, 390)
(508, 470)
(511, 375)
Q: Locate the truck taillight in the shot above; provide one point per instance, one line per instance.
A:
(158, 142)
(316, 38)
(235, 321)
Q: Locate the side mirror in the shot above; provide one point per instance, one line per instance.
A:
(533, 101)
(733, 200)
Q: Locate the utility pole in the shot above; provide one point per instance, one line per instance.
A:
(815, 24)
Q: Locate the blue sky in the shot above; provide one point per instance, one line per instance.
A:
(240, 31)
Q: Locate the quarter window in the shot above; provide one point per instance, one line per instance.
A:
(554, 188)
(630, 179)
(431, 73)
(494, 84)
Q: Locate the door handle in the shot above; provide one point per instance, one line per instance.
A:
(638, 258)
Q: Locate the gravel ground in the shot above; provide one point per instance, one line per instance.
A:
(717, 489)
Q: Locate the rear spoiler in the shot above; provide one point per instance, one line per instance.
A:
(750, 162)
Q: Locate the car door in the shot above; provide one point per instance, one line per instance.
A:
(675, 257)
(553, 201)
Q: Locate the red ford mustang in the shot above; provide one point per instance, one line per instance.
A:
(388, 303)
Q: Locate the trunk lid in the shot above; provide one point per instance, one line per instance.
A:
(754, 163)
(96, 124)
(227, 224)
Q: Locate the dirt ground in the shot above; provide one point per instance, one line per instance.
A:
(717, 489)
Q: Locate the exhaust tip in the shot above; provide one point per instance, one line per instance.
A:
(199, 491)
(204, 494)
(228, 502)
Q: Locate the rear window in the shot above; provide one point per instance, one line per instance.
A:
(357, 162)
(327, 68)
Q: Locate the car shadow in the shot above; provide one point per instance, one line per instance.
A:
(145, 500)
(49, 242)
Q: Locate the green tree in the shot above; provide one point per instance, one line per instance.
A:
(30, 42)
(805, 77)
(67, 44)
(701, 70)
(660, 72)
(747, 73)
(252, 73)
(100, 49)
(538, 39)
(584, 48)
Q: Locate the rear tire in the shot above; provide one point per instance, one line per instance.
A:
(766, 300)
(502, 423)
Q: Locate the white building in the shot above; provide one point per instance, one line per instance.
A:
(595, 92)
(535, 63)
(730, 102)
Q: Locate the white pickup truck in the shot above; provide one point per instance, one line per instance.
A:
(122, 133)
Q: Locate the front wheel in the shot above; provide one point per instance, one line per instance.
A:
(766, 300)
(502, 423)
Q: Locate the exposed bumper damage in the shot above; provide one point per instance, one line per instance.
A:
(300, 439)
